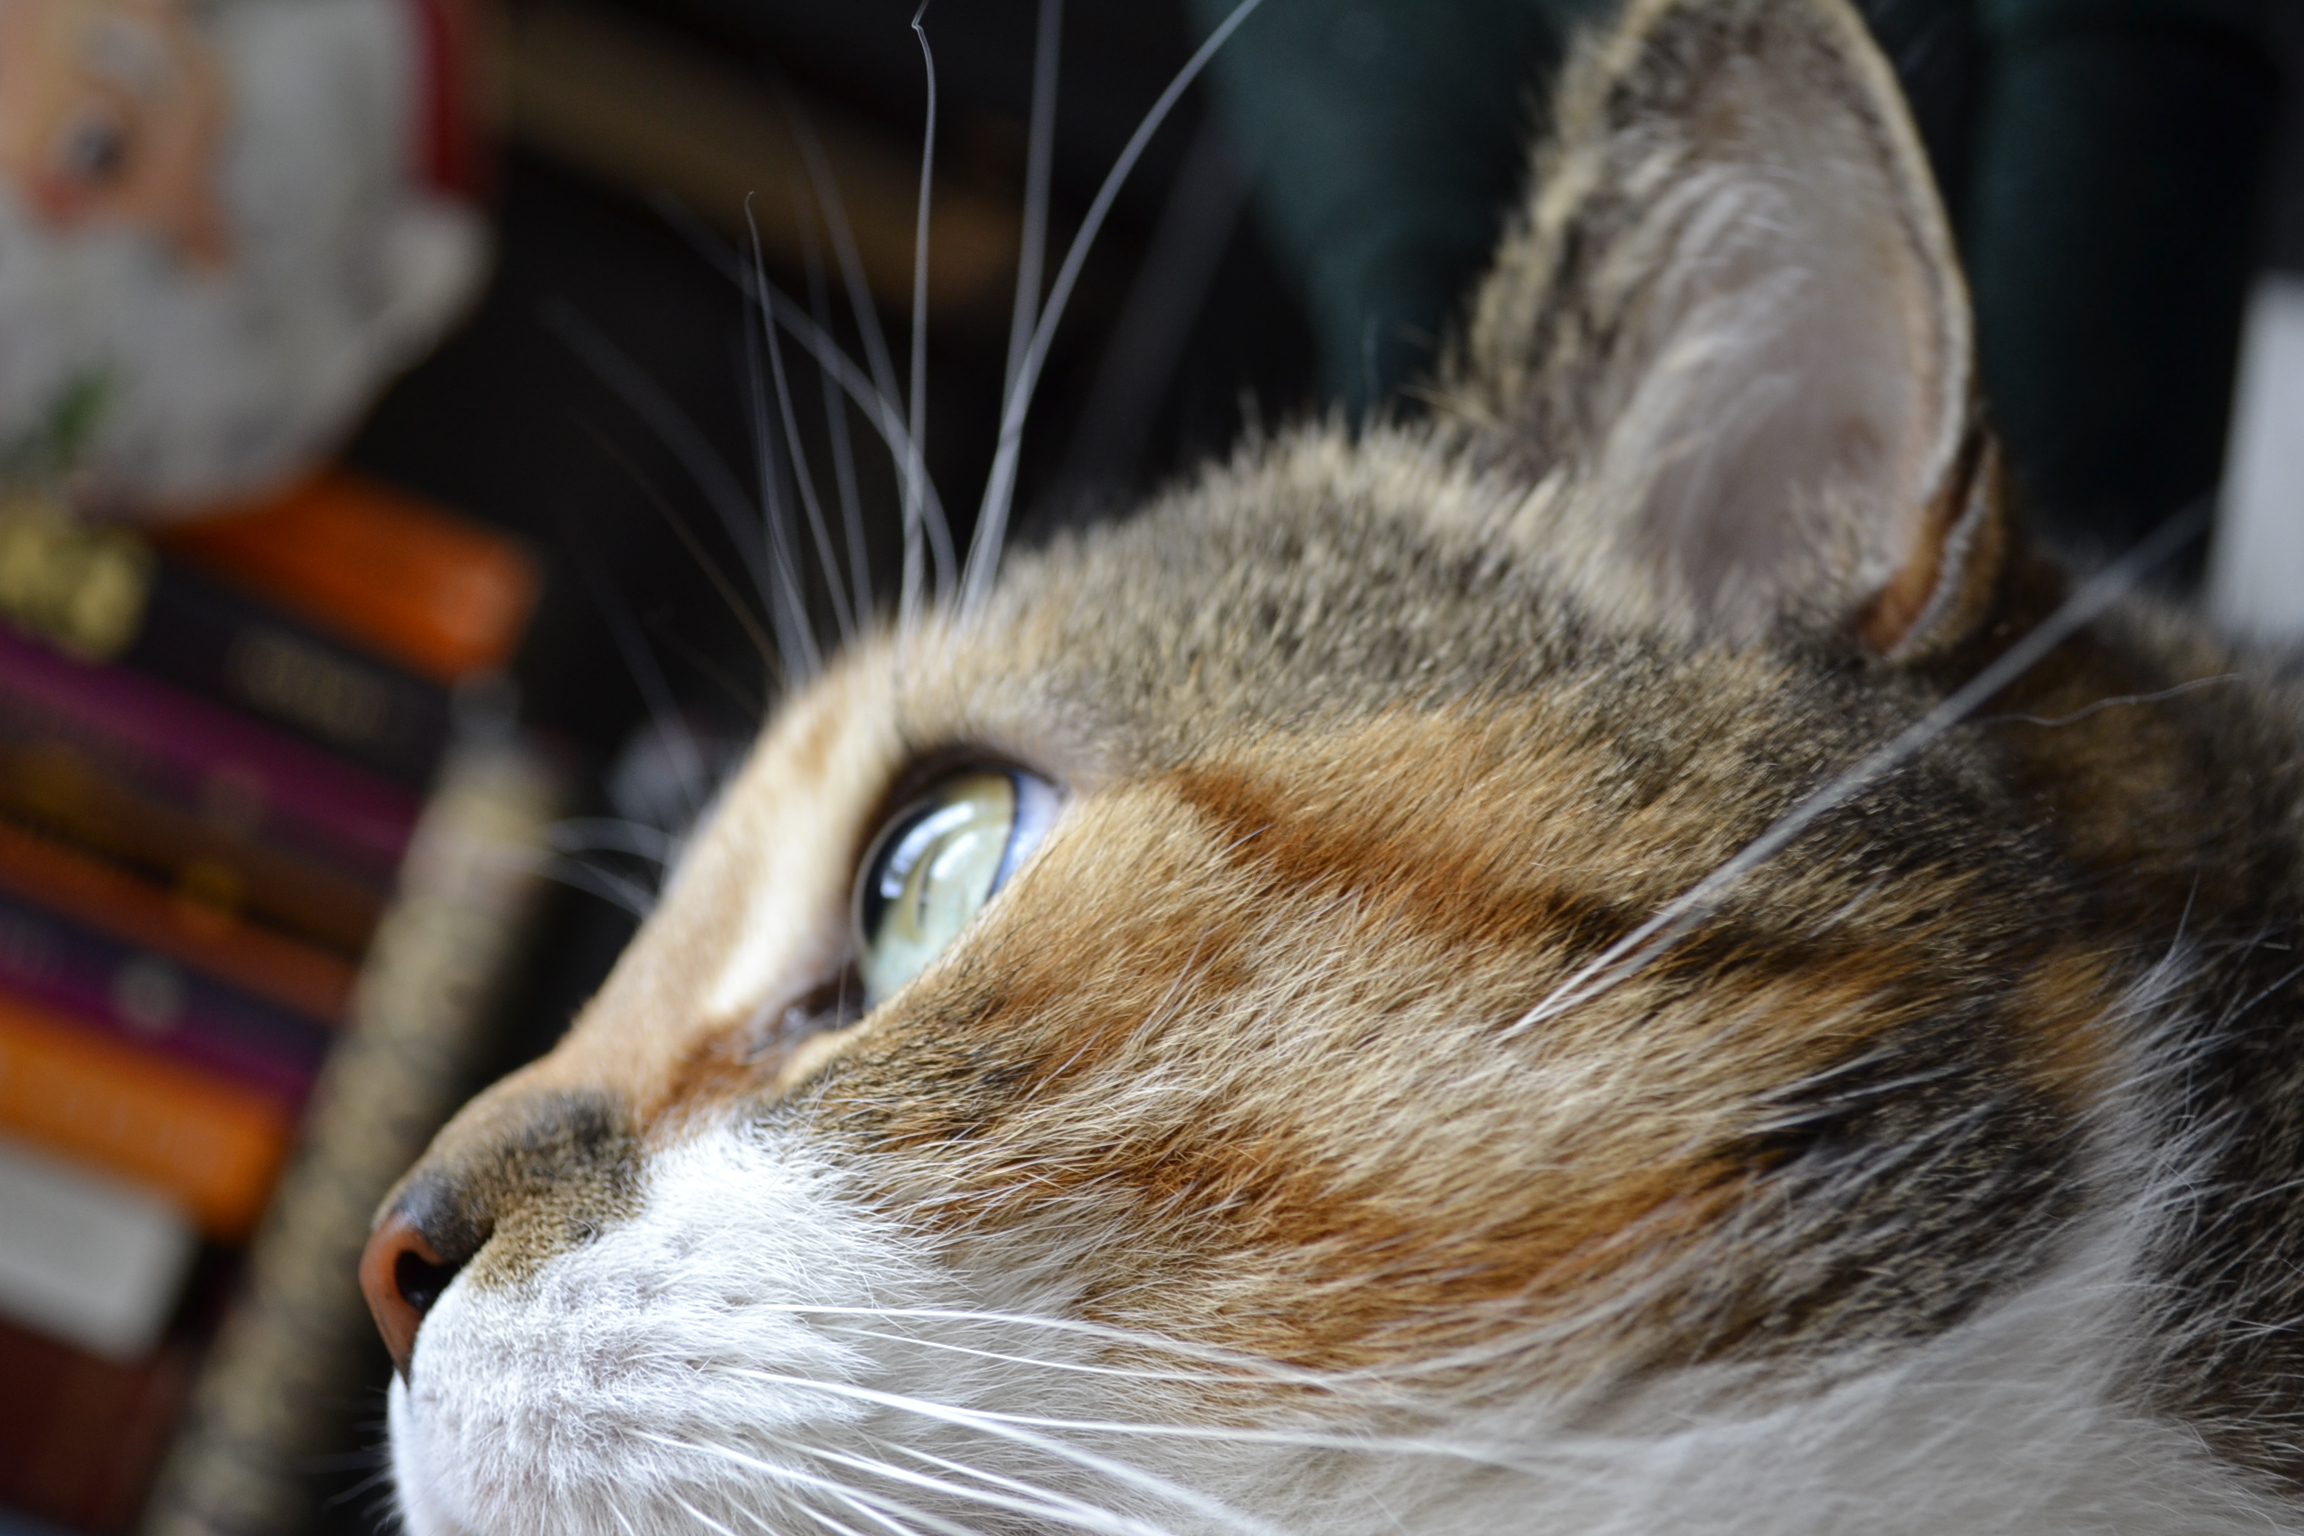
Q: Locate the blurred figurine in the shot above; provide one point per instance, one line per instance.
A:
(223, 228)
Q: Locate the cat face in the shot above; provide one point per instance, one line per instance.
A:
(1245, 1030)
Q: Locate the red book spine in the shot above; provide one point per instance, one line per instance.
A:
(81, 1438)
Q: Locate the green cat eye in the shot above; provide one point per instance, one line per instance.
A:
(936, 863)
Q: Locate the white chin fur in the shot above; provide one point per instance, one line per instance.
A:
(754, 1353)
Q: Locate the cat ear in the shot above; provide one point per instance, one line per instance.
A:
(1732, 326)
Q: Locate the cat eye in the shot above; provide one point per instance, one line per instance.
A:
(936, 863)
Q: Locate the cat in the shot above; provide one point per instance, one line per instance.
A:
(1624, 956)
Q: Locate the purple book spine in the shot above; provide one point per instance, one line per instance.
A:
(201, 749)
(151, 1001)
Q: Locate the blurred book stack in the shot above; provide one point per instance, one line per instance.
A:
(217, 746)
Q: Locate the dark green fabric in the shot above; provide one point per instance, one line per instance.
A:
(2110, 240)
(1391, 139)
(2101, 159)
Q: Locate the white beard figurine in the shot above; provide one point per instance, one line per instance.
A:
(223, 229)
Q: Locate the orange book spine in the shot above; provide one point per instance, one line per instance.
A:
(412, 581)
(211, 1145)
(180, 925)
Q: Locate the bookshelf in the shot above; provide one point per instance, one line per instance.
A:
(268, 846)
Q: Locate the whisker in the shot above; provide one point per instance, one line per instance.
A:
(908, 601)
(875, 394)
(844, 1492)
(1652, 938)
(1000, 488)
(610, 834)
(628, 895)
(700, 1517)
(795, 635)
(836, 420)
(1103, 1332)
(875, 1507)
(844, 250)
(1038, 164)
(1050, 1506)
(745, 618)
(1014, 1484)
(668, 424)
(2116, 702)
(1125, 1373)
(803, 477)
(837, 1527)
(1024, 1430)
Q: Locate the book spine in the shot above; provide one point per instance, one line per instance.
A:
(210, 1145)
(141, 998)
(218, 644)
(184, 750)
(312, 982)
(102, 594)
(94, 1262)
(80, 1437)
(408, 579)
(298, 1331)
(54, 786)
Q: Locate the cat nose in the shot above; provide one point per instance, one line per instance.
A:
(402, 1273)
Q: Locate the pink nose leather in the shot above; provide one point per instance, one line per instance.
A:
(402, 1275)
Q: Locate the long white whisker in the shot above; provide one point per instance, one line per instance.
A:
(627, 895)
(1000, 488)
(1015, 1485)
(1039, 163)
(1629, 954)
(879, 409)
(846, 1493)
(837, 1527)
(1121, 1372)
(851, 260)
(836, 422)
(610, 834)
(1021, 1430)
(795, 636)
(700, 1517)
(1050, 1505)
(875, 1506)
(804, 478)
(1235, 1363)
(875, 394)
(908, 599)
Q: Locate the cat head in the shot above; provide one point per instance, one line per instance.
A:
(1189, 1043)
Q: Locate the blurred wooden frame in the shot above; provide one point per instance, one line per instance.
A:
(643, 109)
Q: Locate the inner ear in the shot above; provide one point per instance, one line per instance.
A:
(1734, 322)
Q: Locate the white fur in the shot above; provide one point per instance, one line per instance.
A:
(756, 1351)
